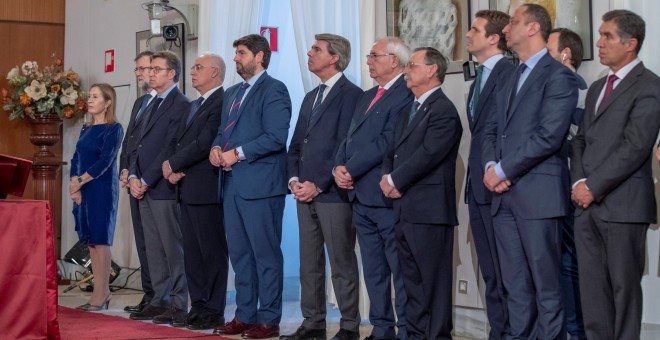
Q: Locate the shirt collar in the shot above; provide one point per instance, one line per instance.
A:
(533, 60)
(426, 95)
(391, 82)
(333, 80)
(492, 61)
(623, 72)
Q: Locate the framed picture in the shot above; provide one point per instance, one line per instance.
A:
(436, 23)
(572, 14)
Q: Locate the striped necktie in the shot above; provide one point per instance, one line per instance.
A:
(233, 115)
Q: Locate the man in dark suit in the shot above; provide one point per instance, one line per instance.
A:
(188, 167)
(486, 42)
(157, 200)
(528, 173)
(419, 175)
(250, 147)
(358, 169)
(566, 47)
(128, 146)
(611, 170)
(324, 213)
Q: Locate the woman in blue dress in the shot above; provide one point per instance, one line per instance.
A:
(94, 188)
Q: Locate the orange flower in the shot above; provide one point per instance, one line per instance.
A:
(25, 100)
(28, 110)
(4, 93)
(55, 87)
(72, 76)
(67, 112)
(80, 104)
(58, 61)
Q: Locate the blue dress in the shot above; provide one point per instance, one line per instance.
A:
(96, 154)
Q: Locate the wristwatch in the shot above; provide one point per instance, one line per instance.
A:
(80, 180)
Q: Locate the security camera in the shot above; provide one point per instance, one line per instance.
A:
(170, 33)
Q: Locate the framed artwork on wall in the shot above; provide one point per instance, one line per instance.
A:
(572, 14)
(436, 23)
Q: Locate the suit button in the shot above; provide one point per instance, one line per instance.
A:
(305, 140)
(503, 136)
(302, 158)
(139, 146)
(395, 156)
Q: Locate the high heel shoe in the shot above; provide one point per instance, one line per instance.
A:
(95, 308)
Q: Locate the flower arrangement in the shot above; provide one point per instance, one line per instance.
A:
(38, 93)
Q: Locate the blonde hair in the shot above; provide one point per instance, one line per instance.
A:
(108, 93)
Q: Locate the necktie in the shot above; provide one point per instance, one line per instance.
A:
(413, 111)
(477, 91)
(610, 86)
(143, 106)
(379, 93)
(194, 107)
(514, 89)
(319, 99)
(233, 115)
(149, 112)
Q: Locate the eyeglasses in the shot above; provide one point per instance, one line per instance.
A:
(141, 69)
(374, 55)
(410, 64)
(158, 69)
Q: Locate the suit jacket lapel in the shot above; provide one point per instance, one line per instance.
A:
(422, 112)
(362, 117)
(246, 99)
(536, 73)
(206, 106)
(486, 91)
(623, 86)
(324, 105)
(164, 106)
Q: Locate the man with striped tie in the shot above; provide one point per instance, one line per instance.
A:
(250, 149)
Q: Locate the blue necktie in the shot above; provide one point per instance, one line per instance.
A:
(149, 112)
(514, 89)
(413, 111)
(194, 107)
(233, 115)
(319, 99)
(145, 102)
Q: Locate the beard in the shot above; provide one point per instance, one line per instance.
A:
(246, 71)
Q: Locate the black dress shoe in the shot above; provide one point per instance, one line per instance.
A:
(345, 334)
(172, 316)
(148, 313)
(137, 308)
(207, 320)
(303, 333)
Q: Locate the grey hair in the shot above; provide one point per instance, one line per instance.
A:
(399, 48)
(220, 63)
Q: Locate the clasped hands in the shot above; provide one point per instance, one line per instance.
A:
(343, 179)
(389, 190)
(582, 195)
(494, 183)
(304, 192)
(74, 190)
(225, 160)
(171, 176)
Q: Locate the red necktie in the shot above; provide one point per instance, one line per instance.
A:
(610, 86)
(381, 91)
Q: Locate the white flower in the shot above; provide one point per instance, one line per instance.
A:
(13, 73)
(36, 90)
(69, 96)
(29, 67)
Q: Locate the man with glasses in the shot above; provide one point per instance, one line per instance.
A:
(128, 146)
(358, 170)
(419, 176)
(156, 195)
(187, 166)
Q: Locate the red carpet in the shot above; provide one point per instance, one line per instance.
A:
(76, 324)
